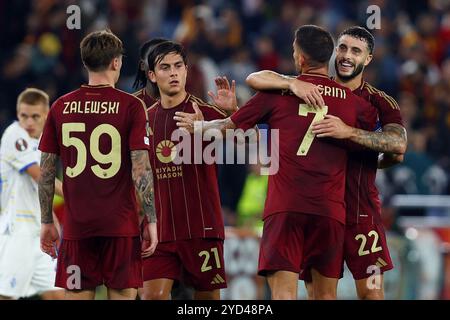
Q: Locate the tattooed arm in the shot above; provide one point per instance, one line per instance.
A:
(46, 190)
(143, 182)
(391, 140)
(46, 186)
(386, 160)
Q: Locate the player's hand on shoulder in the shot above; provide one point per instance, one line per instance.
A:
(187, 120)
(308, 92)
(331, 127)
(49, 239)
(225, 98)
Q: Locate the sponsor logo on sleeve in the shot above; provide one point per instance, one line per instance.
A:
(21, 144)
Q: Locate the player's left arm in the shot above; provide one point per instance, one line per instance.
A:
(143, 181)
(386, 160)
(391, 140)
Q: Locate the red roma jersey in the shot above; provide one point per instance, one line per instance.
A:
(311, 175)
(361, 195)
(144, 96)
(93, 129)
(186, 195)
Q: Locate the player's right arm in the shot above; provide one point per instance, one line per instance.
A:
(143, 181)
(195, 121)
(46, 190)
(35, 172)
(270, 80)
(252, 113)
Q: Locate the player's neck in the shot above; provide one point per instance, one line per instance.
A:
(317, 70)
(101, 78)
(168, 102)
(149, 90)
(352, 84)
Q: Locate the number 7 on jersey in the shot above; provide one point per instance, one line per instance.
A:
(303, 110)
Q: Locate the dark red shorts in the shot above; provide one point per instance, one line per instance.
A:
(297, 242)
(365, 248)
(197, 263)
(87, 263)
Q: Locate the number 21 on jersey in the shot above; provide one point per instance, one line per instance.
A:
(303, 110)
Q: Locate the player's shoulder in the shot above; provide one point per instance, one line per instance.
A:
(139, 93)
(70, 96)
(205, 106)
(323, 80)
(126, 95)
(131, 98)
(14, 131)
(379, 96)
(152, 107)
(14, 135)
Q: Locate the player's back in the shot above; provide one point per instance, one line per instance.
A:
(96, 127)
(311, 176)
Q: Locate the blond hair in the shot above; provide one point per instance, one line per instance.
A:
(33, 96)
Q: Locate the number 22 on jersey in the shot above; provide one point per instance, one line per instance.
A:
(113, 157)
(303, 110)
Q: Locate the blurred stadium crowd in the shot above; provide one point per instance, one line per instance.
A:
(237, 37)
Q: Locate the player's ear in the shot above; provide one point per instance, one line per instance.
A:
(368, 60)
(151, 76)
(301, 59)
(142, 65)
(115, 64)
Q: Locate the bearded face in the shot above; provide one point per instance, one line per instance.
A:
(352, 55)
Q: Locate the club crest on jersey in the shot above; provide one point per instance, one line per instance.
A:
(21, 144)
(166, 151)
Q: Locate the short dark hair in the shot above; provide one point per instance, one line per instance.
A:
(140, 80)
(362, 34)
(159, 51)
(99, 48)
(316, 43)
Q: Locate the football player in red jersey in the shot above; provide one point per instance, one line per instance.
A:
(304, 212)
(366, 251)
(141, 83)
(100, 135)
(190, 224)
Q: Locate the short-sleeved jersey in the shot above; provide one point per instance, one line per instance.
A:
(186, 195)
(311, 175)
(361, 196)
(93, 130)
(20, 211)
(144, 96)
